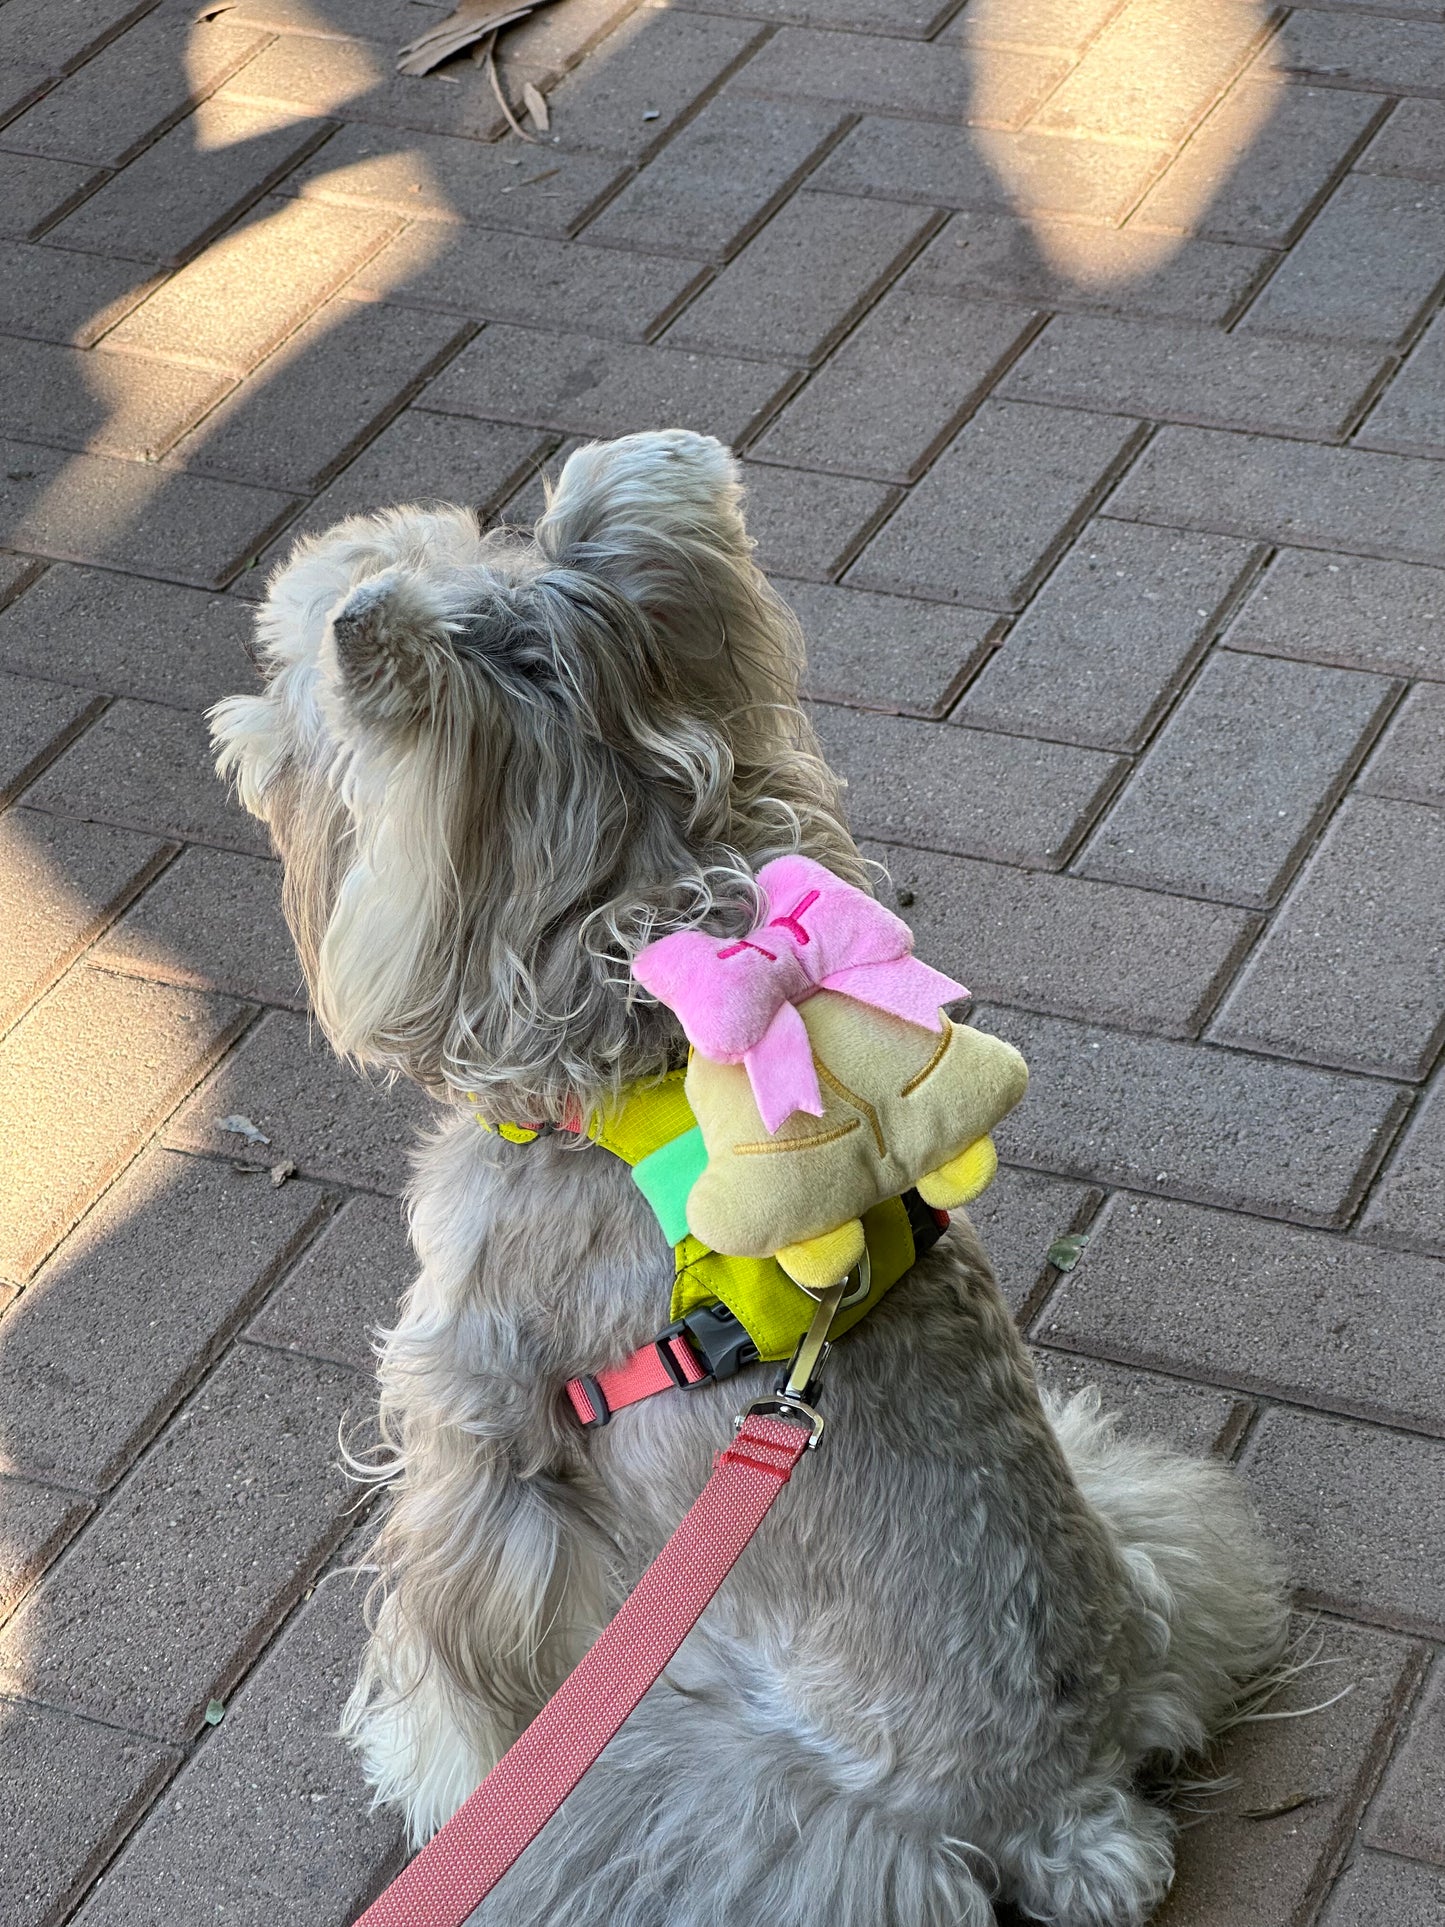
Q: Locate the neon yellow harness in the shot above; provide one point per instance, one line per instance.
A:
(655, 1119)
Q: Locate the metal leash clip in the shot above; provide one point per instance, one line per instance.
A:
(797, 1385)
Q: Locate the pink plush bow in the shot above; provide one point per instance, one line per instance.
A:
(738, 1001)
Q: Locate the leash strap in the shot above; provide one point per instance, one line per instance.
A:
(457, 1869)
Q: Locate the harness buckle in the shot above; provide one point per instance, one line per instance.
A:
(718, 1337)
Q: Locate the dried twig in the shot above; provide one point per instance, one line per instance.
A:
(506, 106)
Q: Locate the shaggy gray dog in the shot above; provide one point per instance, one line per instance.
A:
(495, 767)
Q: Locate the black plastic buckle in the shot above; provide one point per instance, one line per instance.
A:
(926, 1224)
(720, 1340)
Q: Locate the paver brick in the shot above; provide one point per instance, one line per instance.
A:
(244, 1478)
(389, 21)
(233, 304)
(64, 297)
(1410, 416)
(1187, 1121)
(874, 75)
(1395, 56)
(192, 183)
(799, 284)
(37, 720)
(426, 458)
(1360, 1514)
(356, 78)
(1410, 762)
(524, 278)
(148, 1289)
(1411, 142)
(1096, 951)
(1345, 610)
(908, 19)
(213, 921)
(149, 767)
(313, 1848)
(137, 85)
(1213, 809)
(138, 1048)
(61, 882)
(444, 178)
(603, 388)
(321, 394)
(656, 67)
(900, 384)
(317, 1112)
(1167, 373)
(21, 83)
(35, 1523)
(1352, 971)
(1156, 69)
(1301, 1315)
(72, 1790)
(1050, 262)
(1292, 492)
(38, 33)
(17, 574)
(1408, 1205)
(1018, 1217)
(1365, 268)
(810, 525)
(883, 652)
(108, 404)
(1195, 1419)
(120, 633)
(964, 790)
(1408, 1813)
(36, 191)
(1067, 24)
(555, 39)
(998, 505)
(1377, 1887)
(1265, 1855)
(344, 1288)
(902, 160)
(132, 515)
(717, 181)
(1428, 9)
(1105, 643)
(1256, 169)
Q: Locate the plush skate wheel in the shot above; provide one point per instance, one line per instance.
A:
(819, 1262)
(962, 1178)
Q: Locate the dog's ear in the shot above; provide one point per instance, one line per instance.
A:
(386, 648)
(659, 518)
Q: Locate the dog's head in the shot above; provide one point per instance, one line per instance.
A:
(496, 766)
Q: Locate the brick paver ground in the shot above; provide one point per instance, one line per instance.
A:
(1088, 364)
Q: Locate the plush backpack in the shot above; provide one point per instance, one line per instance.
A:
(824, 1076)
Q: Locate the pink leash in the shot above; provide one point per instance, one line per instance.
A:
(457, 1869)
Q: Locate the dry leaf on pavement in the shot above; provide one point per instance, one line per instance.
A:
(473, 20)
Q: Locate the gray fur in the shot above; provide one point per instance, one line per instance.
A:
(494, 770)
